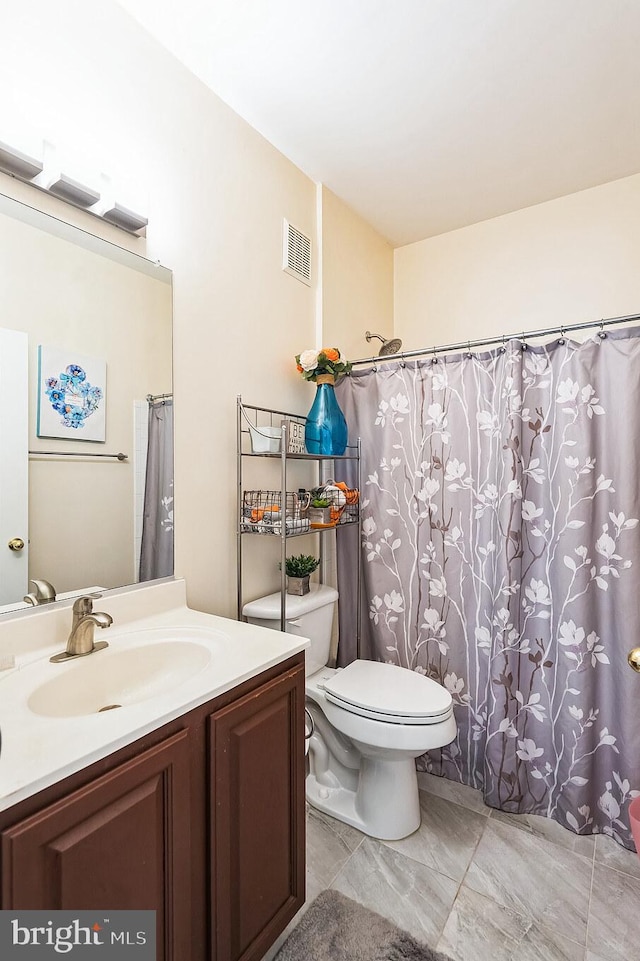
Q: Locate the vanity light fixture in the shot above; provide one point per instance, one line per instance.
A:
(121, 216)
(66, 188)
(47, 176)
(18, 164)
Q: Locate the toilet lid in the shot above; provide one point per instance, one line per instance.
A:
(390, 693)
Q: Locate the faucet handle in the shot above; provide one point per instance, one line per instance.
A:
(84, 605)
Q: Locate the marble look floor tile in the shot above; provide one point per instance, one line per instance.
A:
(533, 878)
(313, 890)
(550, 830)
(447, 837)
(277, 944)
(613, 855)
(479, 929)
(462, 794)
(315, 885)
(406, 892)
(614, 917)
(329, 844)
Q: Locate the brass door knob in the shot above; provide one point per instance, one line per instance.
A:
(634, 659)
(16, 544)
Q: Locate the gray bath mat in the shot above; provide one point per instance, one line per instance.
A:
(335, 928)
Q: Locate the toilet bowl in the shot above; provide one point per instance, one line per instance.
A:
(370, 721)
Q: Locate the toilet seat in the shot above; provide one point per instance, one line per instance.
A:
(389, 693)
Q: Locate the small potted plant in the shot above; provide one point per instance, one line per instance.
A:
(319, 509)
(298, 568)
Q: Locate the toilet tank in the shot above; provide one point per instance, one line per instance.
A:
(308, 616)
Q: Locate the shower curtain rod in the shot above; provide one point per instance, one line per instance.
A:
(502, 339)
(152, 397)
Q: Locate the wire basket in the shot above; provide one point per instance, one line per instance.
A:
(262, 512)
(333, 516)
(343, 505)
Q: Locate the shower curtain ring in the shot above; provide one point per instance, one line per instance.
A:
(434, 359)
(561, 341)
(403, 362)
(523, 343)
(469, 354)
(603, 332)
(503, 349)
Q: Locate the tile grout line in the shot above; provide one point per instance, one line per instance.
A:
(344, 863)
(408, 857)
(532, 833)
(462, 880)
(571, 851)
(593, 872)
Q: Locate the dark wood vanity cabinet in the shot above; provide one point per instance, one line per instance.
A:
(122, 840)
(201, 821)
(257, 822)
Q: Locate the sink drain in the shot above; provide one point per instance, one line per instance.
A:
(108, 707)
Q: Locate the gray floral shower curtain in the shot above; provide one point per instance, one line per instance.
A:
(501, 556)
(156, 552)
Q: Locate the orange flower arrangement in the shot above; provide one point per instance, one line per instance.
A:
(311, 363)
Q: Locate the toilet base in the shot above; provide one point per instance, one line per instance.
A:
(385, 804)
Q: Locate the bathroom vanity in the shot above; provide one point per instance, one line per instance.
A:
(188, 800)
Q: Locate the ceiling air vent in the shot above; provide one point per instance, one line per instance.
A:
(296, 253)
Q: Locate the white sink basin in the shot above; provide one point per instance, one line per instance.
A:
(163, 660)
(114, 678)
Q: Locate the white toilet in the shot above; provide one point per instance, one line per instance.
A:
(370, 722)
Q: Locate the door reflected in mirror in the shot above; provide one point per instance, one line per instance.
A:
(79, 504)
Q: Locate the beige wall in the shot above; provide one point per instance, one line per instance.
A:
(357, 280)
(561, 262)
(89, 75)
(217, 195)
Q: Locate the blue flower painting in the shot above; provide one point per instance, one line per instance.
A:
(71, 401)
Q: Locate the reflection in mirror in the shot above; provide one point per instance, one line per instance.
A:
(73, 301)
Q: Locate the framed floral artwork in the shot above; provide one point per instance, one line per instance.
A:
(72, 395)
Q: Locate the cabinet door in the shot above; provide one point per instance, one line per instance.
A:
(120, 842)
(258, 828)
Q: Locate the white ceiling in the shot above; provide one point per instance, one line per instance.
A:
(425, 115)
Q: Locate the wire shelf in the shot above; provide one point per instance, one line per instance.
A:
(262, 514)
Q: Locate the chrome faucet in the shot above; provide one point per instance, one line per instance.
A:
(85, 620)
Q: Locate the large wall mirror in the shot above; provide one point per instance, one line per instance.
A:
(79, 511)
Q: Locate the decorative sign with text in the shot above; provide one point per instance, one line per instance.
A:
(295, 438)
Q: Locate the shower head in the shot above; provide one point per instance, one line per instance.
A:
(388, 346)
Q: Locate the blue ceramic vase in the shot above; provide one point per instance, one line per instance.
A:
(326, 429)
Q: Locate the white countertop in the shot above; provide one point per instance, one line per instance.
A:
(38, 751)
